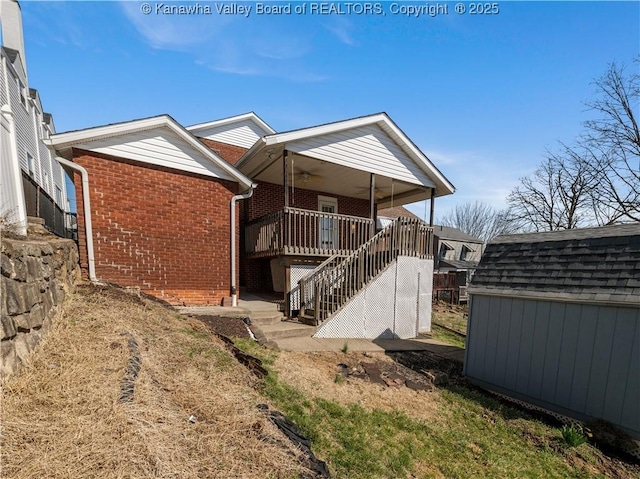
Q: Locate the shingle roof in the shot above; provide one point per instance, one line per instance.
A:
(459, 264)
(449, 233)
(396, 212)
(593, 264)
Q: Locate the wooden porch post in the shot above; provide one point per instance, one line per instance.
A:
(285, 175)
(432, 206)
(372, 202)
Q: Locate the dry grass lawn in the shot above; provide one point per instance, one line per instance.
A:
(61, 416)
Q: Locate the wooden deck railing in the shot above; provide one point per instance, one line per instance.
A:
(336, 283)
(306, 232)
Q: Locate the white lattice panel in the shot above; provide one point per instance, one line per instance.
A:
(380, 304)
(348, 322)
(425, 269)
(407, 298)
(395, 304)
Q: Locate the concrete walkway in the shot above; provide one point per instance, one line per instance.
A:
(272, 331)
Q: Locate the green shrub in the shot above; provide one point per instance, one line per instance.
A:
(573, 435)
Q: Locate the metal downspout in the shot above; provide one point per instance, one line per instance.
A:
(234, 199)
(87, 213)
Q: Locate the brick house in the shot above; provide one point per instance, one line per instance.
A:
(305, 229)
(160, 214)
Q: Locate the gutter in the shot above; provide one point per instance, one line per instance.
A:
(86, 203)
(234, 199)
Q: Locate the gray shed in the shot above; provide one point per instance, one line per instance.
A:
(554, 322)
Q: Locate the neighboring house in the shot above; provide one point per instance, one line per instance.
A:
(161, 216)
(554, 322)
(33, 184)
(457, 255)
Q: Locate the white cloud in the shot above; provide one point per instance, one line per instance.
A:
(173, 32)
(222, 43)
(340, 27)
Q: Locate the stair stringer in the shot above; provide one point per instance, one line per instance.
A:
(395, 304)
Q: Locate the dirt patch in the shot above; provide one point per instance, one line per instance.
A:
(225, 326)
(343, 377)
(436, 369)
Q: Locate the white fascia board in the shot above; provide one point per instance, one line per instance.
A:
(322, 129)
(415, 152)
(381, 119)
(234, 119)
(61, 141)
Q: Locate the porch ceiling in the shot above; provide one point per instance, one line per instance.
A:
(320, 175)
(339, 158)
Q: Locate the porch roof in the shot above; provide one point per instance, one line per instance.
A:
(338, 158)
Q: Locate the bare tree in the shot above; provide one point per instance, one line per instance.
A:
(480, 220)
(557, 196)
(612, 141)
(596, 182)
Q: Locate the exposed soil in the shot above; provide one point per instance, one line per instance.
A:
(226, 326)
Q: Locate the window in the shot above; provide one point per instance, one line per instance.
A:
(58, 196)
(22, 92)
(465, 253)
(31, 166)
(445, 250)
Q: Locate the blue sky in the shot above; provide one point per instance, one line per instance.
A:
(482, 95)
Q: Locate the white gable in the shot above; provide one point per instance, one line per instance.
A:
(158, 146)
(242, 133)
(366, 148)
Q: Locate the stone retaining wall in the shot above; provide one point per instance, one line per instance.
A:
(36, 276)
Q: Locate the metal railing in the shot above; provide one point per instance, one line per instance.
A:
(40, 204)
(306, 232)
(333, 285)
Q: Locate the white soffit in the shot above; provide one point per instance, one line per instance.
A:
(242, 130)
(366, 148)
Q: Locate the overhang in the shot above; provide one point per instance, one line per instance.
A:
(339, 158)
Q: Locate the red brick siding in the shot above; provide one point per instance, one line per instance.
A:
(162, 230)
(269, 197)
(231, 153)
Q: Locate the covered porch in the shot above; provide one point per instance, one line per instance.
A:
(319, 188)
(318, 193)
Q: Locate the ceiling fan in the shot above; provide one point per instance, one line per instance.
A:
(378, 193)
(306, 178)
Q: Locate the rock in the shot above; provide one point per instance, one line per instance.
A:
(9, 359)
(417, 386)
(7, 267)
(374, 373)
(15, 298)
(36, 275)
(438, 378)
(31, 292)
(36, 316)
(7, 327)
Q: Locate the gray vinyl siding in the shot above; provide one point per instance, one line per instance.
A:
(28, 135)
(581, 360)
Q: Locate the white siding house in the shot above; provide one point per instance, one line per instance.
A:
(24, 126)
